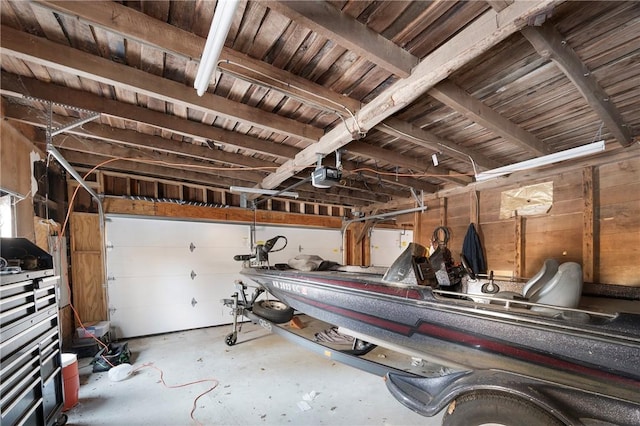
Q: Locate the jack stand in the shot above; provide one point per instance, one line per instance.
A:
(238, 304)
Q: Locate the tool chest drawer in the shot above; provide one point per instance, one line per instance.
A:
(30, 348)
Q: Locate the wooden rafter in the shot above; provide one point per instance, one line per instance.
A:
(18, 86)
(417, 165)
(414, 134)
(90, 139)
(485, 32)
(46, 53)
(550, 44)
(13, 85)
(135, 139)
(456, 98)
(331, 23)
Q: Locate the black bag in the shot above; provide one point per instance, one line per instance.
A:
(114, 354)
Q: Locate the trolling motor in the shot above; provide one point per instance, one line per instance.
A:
(261, 255)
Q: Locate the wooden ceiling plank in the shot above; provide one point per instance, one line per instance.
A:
(422, 21)
(550, 44)
(331, 23)
(450, 23)
(424, 138)
(147, 30)
(49, 24)
(482, 34)
(18, 86)
(287, 45)
(271, 29)
(455, 97)
(85, 65)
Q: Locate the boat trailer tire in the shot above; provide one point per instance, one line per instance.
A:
(273, 310)
(493, 408)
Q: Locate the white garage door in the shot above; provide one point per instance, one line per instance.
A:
(167, 275)
(326, 243)
(387, 244)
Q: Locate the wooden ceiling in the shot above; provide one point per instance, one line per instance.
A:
(388, 83)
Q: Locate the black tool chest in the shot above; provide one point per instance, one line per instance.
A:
(30, 348)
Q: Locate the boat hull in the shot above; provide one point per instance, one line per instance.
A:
(599, 355)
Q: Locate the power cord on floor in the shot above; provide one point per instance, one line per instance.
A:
(195, 401)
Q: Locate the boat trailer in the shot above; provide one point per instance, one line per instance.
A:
(465, 394)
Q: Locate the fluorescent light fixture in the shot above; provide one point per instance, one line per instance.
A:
(222, 19)
(246, 190)
(556, 157)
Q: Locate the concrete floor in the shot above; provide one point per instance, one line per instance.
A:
(262, 380)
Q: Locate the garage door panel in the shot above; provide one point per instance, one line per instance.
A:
(325, 243)
(388, 244)
(136, 232)
(149, 263)
(152, 321)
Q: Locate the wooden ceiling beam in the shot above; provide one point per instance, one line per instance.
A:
(550, 44)
(77, 158)
(456, 98)
(76, 152)
(331, 23)
(420, 166)
(67, 59)
(133, 139)
(14, 85)
(478, 37)
(131, 24)
(426, 139)
(136, 146)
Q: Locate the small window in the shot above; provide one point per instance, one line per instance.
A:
(7, 215)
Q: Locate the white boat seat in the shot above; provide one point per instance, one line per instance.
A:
(544, 275)
(535, 283)
(564, 289)
(556, 285)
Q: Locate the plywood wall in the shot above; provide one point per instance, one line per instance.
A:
(87, 267)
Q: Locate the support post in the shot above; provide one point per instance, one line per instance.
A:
(589, 231)
(519, 262)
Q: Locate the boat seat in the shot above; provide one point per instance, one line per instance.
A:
(535, 283)
(544, 275)
(556, 285)
(564, 289)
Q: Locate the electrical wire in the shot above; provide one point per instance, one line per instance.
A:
(412, 174)
(195, 401)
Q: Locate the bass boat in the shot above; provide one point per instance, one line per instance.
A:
(536, 342)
